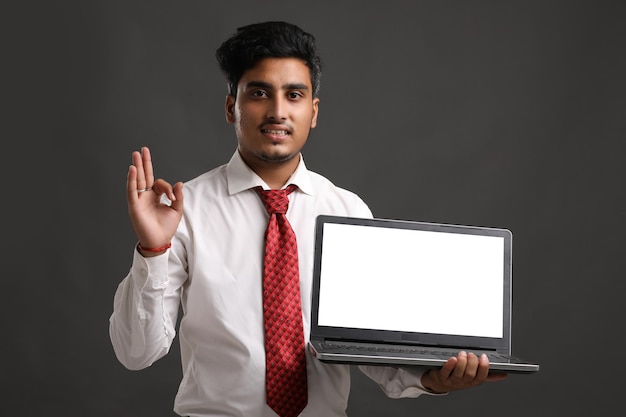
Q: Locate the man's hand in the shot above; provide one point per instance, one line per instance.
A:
(460, 372)
(153, 221)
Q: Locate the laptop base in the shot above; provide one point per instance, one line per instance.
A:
(399, 356)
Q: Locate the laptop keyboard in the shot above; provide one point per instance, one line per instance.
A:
(406, 350)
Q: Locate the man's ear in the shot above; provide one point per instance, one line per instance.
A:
(230, 109)
(316, 102)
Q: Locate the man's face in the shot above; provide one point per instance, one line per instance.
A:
(274, 111)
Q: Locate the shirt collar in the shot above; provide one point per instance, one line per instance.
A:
(240, 177)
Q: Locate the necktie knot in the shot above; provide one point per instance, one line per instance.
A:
(276, 201)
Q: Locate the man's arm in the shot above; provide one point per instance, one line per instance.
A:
(146, 303)
(145, 309)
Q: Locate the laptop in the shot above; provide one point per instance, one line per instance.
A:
(405, 293)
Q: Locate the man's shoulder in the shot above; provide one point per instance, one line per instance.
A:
(320, 181)
(343, 200)
(207, 184)
(208, 178)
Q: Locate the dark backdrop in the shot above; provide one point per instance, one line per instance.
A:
(498, 113)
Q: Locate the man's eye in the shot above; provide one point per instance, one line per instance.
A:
(294, 95)
(259, 93)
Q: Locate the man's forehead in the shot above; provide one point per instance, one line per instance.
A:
(278, 73)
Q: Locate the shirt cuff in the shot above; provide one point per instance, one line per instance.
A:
(149, 273)
(398, 382)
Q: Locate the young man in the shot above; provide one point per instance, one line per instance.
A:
(208, 254)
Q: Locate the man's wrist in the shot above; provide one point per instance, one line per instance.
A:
(150, 252)
(427, 384)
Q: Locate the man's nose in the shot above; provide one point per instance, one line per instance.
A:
(277, 109)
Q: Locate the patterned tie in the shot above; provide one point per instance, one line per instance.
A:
(285, 369)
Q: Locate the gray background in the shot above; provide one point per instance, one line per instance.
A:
(498, 113)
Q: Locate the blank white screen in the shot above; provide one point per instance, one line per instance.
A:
(411, 280)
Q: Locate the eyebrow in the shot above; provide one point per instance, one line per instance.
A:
(290, 86)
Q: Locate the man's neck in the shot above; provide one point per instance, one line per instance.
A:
(275, 174)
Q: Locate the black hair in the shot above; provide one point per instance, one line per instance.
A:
(257, 41)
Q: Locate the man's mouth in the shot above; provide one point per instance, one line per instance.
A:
(275, 132)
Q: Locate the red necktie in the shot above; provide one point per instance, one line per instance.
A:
(285, 369)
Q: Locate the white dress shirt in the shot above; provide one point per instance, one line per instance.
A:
(214, 269)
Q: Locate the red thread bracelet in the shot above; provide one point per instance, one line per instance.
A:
(161, 249)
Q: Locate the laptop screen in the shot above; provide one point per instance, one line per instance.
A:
(411, 277)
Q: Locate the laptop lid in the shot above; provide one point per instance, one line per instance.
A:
(415, 283)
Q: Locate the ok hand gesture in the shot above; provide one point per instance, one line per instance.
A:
(153, 220)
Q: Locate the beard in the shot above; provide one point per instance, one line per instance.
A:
(276, 158)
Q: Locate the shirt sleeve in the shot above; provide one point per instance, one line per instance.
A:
(145, 310)
(397, 382)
